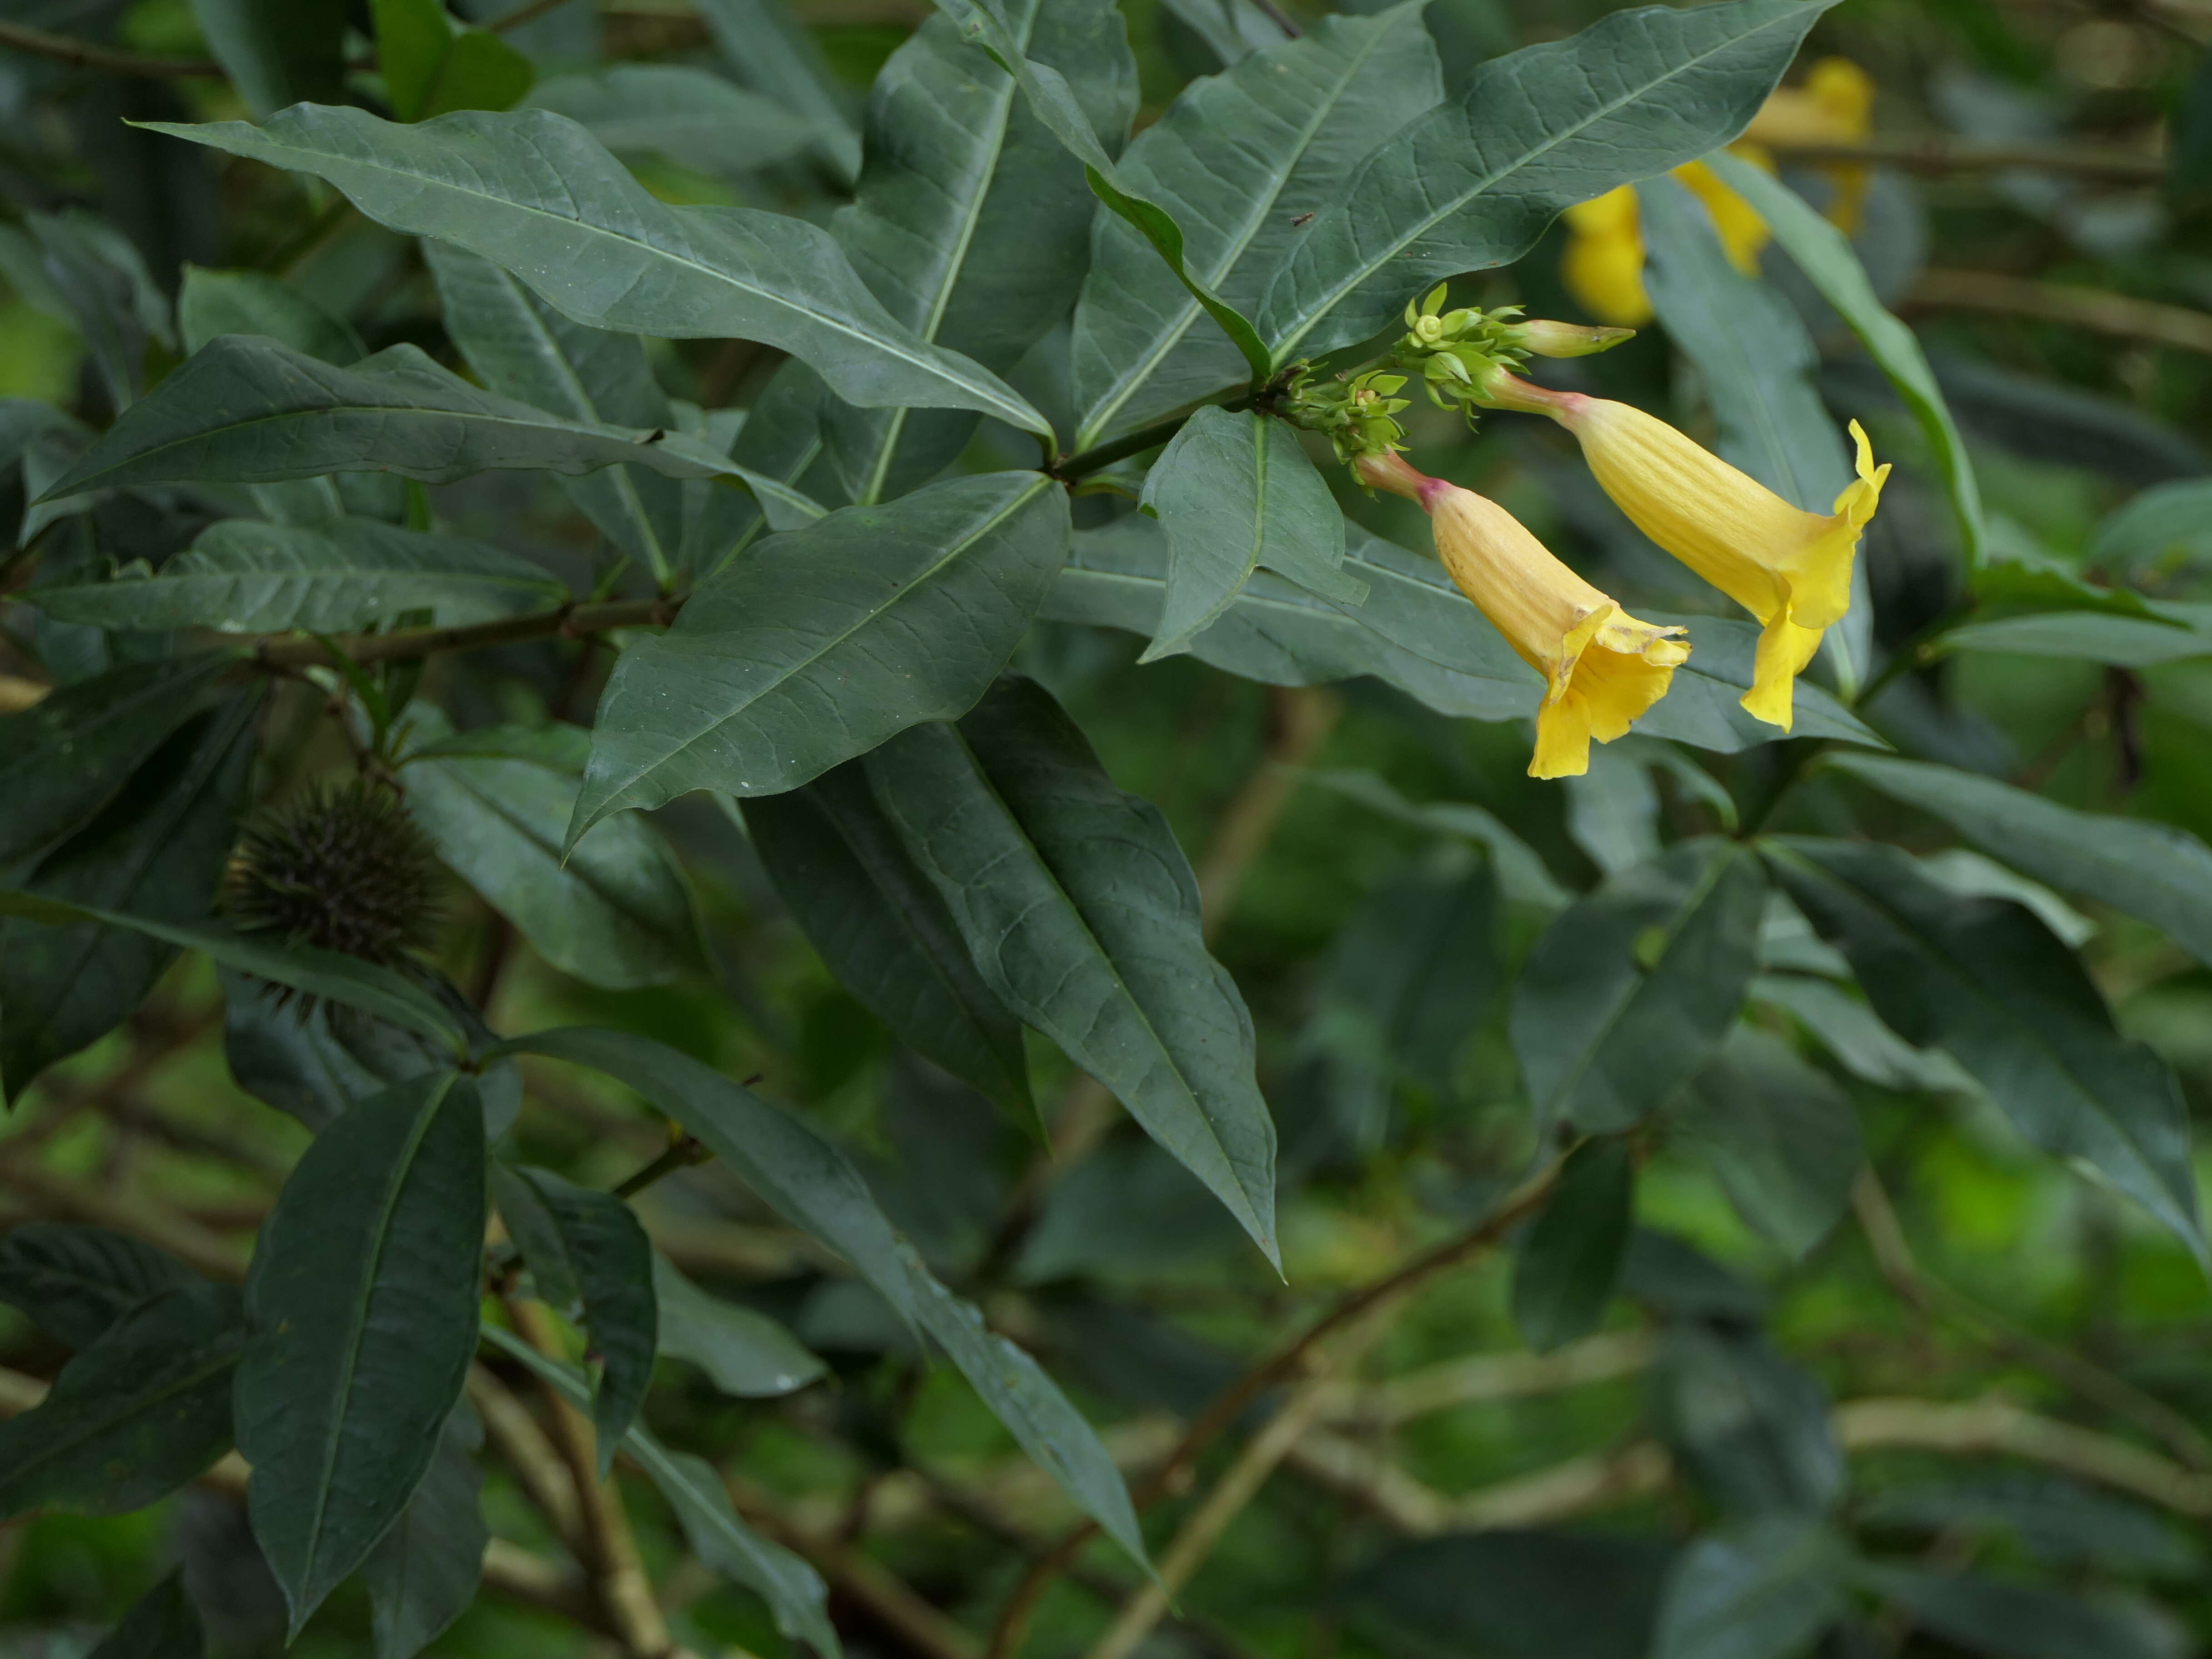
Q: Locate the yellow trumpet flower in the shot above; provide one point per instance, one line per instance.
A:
(1602, 667)
(1788, 568)
(1603, 263)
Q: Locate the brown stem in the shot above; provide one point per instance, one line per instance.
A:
(545, 1478)
(1300, 719)
(85, 54)
(682, 1153)
(1951, 155)
(2115, 314)
(528, 13)
(568, 621)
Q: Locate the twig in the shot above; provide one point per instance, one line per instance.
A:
(514, 1434)
(58, 1195)
(1483, 1378)
(85, 54)
(1229, 1405)
(1893, 1256)
(1300, 719)
(1579, 1486)
(1068, 468)
(568, 621)
(1996, 1428)
(2116, 314)
(529, 13)
(684, 1153)
(1952, 155)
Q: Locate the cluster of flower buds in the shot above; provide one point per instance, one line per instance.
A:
(1358, 414)
(1454, 351)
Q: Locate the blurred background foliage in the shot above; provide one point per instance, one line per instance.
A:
(2037, 209)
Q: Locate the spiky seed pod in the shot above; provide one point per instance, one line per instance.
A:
(342, 866)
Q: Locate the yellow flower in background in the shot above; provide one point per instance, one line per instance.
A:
(1603, 265)
(1602, 667)
(1788, 568)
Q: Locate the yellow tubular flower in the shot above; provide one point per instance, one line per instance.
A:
(1834, 107)
(1603, 263)
(1791, 568)
(1602, 667)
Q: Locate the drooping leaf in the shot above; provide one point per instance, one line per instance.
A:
(743, 1353)
(248, 409)
(1570, 1260)
(2014, 1621)
(591, 1260)
(1235, 492)
(77, 1282)
(143, 1409)
(817, 645)
(423, 1574)
(1522, 875)
(162, 1624)
(1520, 1594)
(2166, 524)
(1749, 1427)
(158, 849)
(1631, 990)
(1764, 1590)
(1986, 981)
(614, 911)
(363, 1297)
(1474, 182)
(1250, 151)
(838, 862)
(1081, 913)
(536, 193)
(524, 349)
(106, 727)
(1824, 255)
(1779, 1134)
(771, 52)
(971, 222)
(1851, 1032)
(244, 576)
(2155, 872)
(694, 118)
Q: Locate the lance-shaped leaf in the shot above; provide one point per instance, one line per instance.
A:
(133, 1417)
(362, 1297)
(1235, 492)
(1081, 913)
(1570, 1260)
(535, 193)
(423, 1573)
(77, 1282)
(1745, 1424)
(245, 576)
(837, 861)
(1780, 1135)
(1631, 989)
(1824, 253)
(692, 116)
(158, 850)
(2155, 872)
(972, 222)
(162, 1624)
(819, 644)
(743, 1353)
(591, 1261)
(70, 753)
(771, 52)
(249, 410)
(1248, 151)
(1984, 979)
(217, 302)
(1762, 1591)
(793, 1591)
(1473, 183)
(2014, 1621)
(1055, 103)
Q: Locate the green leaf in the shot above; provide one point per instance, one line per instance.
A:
(1778, 1133)
(1762, 1591)
(523, 349)
(593, 1262)
(743, 1353)
(1417, 969)
(1631, 990)
(691, 116)
(773, 53)
(77, 1282)
(143, 1409)
(793, 1591)
(1571, 1260)
(423, 1574)
(244, 576)
(2014, 1621)
(1824, 255)
(1231, 29)
(614, 911)
(1081, 913)
(158, 849)
(1235, 492)
(217, 302)
(83, 271)
(535, 193)
(432, 67)
(162, 1624)
(1757, 363)
(1752, 1428)
(1522, 1595)
(1984, 979)
(69, 755)
(278, 52)
(2172, 633)
(1473, 183)
(250, 410)
(838, 863)
(1704, 706)
(972, 222)
(1054, 103)
(817, 645)
(363, 1295)
(2153, 872)
(2167, 525)
(1522, 875)
(1249, 151)
(2056, 1519)
(1853, 1033)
